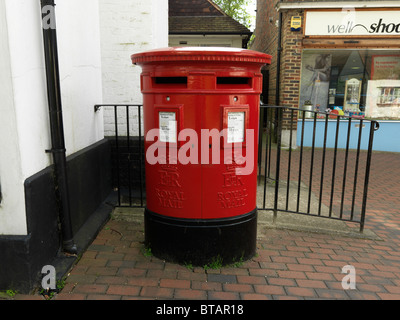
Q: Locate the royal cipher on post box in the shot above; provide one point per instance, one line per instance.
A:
(201, 118)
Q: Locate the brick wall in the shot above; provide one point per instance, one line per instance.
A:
(266, 40)
(267, 32)
(290, 64)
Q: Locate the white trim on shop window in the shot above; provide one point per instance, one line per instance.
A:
(338, 5)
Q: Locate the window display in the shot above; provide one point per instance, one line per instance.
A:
(363, 83)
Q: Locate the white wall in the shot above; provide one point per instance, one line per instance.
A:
(78, 34)
(24, 121)
(23, 118)
(10, 175)
(127, 27)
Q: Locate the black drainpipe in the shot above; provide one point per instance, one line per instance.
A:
(56, 125)
(278, 61)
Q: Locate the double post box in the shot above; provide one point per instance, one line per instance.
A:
(201, 118)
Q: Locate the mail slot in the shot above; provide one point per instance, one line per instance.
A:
(201, 116)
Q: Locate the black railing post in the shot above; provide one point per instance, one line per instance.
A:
(374, 125)
(117, 153)
(140, 156)
(278, 160)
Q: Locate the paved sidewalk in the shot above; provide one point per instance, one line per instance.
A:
(289, 264)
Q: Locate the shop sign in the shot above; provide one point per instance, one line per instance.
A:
(295, 23)
(349, 22)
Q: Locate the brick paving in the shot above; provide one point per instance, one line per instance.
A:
(288, 265)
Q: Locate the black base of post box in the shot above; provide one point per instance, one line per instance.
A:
(201, 242)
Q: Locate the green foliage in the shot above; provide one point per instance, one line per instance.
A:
(49, 294)
(188, 265)
(146, 250)
(237, 9)
(8, 294)
(216, 263)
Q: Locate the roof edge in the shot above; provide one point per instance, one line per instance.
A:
(217, 7)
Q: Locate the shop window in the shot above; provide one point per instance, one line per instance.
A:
(353, 82)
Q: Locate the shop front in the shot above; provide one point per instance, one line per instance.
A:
(351, 66)
(357, 76)
(343, 58)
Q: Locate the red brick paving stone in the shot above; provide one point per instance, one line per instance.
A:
(27, 297)
(281, 259)
(251, 280)
(81, 278)
(207, 285)
(103, 297)
(263, 272)
(332, 294)
(291, 274)
(189, 275)
(300, 267)
(157, 293)
(79, 270)
(237, 287)
(102, 271)
(70, 296)
(150, 265)
(325, 269)
(301, 292)
(154, 273)
(392, 289)
(190, 294)
(123, 290)
(175, 283)
(269, 289)
(221, 295)
(234, 271)
(312, 262)
(320, 276)
(389, 296)
(110, 256)
(336, 285)
(92, 262)
(90, 288)
(142, 282)
(282, 282)
(287, 298)
(311, 283)
(272, 265)
(111, 280)
(357, 295)
(131, 272)
(370, 288)
(254, 296)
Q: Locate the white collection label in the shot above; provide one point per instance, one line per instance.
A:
(236, 127)
(167, 123)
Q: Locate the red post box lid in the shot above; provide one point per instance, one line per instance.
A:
(210, 54)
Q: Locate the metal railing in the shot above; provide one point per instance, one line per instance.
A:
(127, 151)
(310, 163)
(314, 165)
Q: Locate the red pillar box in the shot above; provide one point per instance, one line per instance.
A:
(201, 116)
